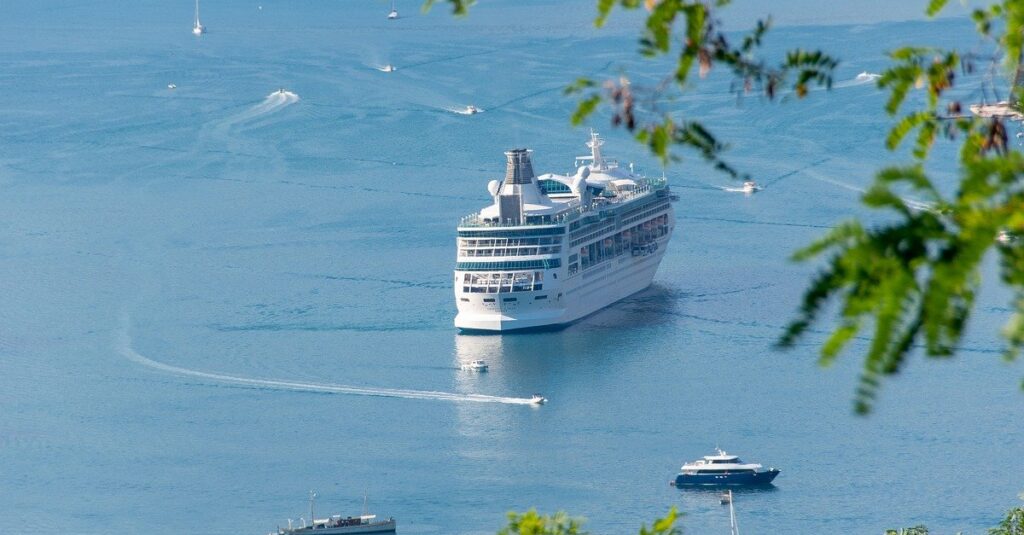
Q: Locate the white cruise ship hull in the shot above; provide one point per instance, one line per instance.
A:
(576, 297)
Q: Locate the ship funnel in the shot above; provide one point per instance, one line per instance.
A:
(519, 169)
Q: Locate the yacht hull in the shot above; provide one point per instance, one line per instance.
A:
(377, 527)
(745, 479)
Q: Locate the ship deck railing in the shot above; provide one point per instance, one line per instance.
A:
(574, 212)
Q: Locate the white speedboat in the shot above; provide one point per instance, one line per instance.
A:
(394, 12)
(172, 86)
(388, 68)
(198, 28)
(472, 110)
(865, 76)
(750, 186)
(475, 366)
(538, 399)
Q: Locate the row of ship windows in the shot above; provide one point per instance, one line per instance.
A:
(509, 265)
(509, 242)
(502, 282)
(511, 233)
(505, 299)
(592, 235)
(638, 240)
(518, 251)
(646, 214)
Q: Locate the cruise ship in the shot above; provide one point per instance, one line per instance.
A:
(553, 248)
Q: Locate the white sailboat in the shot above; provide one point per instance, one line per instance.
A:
(198, 28)
(394, 12)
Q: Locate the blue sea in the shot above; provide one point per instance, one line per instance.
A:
(170, 257)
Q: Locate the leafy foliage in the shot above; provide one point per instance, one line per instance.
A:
(1013, 524)
(689, 28)
(531, 523)
(913, 281)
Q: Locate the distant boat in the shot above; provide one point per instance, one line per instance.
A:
(388, 68)
(198, 28)
(172, 86)
(538, 399)
(338, 525)
(866, 76)
(750, 186)
(471, 110)
(475, 366)
(723, 470)
(394, 12)
(1004, 237)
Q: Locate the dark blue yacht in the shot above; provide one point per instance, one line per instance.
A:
(723, 470)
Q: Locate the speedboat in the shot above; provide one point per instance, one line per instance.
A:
(472, 110)
(198, 28)
(865, 76)
(750, 186)
(475, 366)
(394, 12)
(538, 399)
(388, 68)
(723, 469)
(172, 86)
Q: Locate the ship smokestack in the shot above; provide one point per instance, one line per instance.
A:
(519, 169)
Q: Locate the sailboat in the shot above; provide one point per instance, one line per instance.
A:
(198, 28)
(394, 12)
(1011, 108)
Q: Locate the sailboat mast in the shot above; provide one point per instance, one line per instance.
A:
(1017, 89)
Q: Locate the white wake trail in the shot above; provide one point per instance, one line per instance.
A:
(126, 350)
(275, 101)
(912, 203)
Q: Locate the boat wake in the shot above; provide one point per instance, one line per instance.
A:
(913, 204)
(275, 101)
(126, 350)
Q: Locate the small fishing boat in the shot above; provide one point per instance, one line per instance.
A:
(388, 68)
(475, 366)
(538, 399)
(750, 186)
(172, 86)
(394, 12)
(471, 110)
(723, 469)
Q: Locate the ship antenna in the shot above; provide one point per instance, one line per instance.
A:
(595, 150)
(365, 510)
(312, 498)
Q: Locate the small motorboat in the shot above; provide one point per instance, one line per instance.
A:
(197, 27)
(866, 76)
(394, 12)
(172, 86)
(538, 399)
(475, 366)
(725, 498)
(472, 110)
(750, 186)
(723, 469)
(388, 68)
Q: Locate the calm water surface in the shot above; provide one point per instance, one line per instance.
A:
(221, 229)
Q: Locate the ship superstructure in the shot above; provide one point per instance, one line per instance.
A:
(554, 248)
